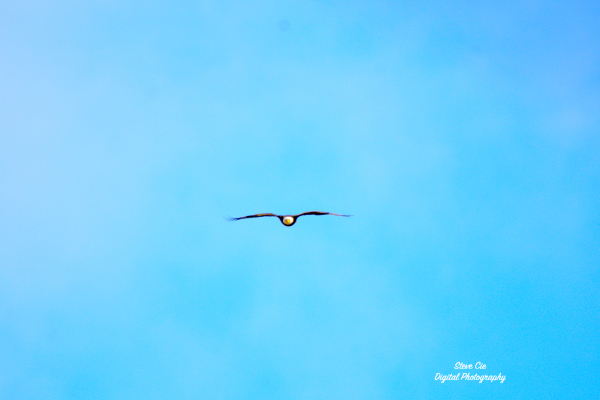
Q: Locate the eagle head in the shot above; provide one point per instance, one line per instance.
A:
(288, 221)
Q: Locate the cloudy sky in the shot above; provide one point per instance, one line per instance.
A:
(462, 136)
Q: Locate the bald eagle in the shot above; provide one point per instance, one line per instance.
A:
(288, 220)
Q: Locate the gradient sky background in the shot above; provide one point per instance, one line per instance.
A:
(463, 136)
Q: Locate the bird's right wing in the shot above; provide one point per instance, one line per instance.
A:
(253, 216)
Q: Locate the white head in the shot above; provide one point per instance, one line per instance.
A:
(287, 220)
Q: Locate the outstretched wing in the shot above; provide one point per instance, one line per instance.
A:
(253, 216)
(320, 213)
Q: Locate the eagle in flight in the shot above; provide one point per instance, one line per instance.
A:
(288, 220)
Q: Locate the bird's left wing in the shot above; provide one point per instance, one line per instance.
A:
(320, 213)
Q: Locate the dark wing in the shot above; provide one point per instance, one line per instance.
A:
(253, 216)
(320, 213)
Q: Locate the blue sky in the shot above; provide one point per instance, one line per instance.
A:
(462, 136)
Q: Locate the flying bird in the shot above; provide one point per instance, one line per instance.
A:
(288, 220)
